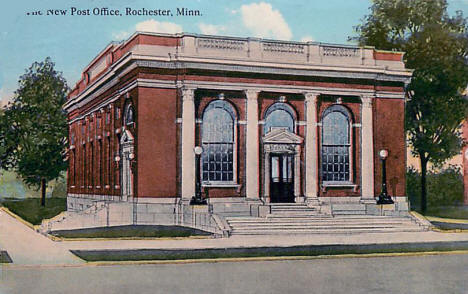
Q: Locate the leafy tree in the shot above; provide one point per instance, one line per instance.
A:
(436, 47)
(33, 127)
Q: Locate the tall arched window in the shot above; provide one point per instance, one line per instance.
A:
(218, 140)
(129, 115)
(336, 144)
(279, 115)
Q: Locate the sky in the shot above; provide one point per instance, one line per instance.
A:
(74, 39)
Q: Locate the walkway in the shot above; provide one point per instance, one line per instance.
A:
(27, 247)
(270, 240)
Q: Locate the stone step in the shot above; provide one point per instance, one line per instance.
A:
(305, 223)
(290, 207)
(349, 212)
(318, 221)
(292, 215)
(324, 231)
(348, 206)
(293, 209)
(318, 227)
(318, 218)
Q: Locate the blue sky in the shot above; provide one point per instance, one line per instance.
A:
(72, 41)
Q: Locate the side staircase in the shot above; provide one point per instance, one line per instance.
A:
(300, 219)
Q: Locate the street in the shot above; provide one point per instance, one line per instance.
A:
(404, 274)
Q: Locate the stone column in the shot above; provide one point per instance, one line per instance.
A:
(252, 159)
(188, 143)
(266, 181)
(367, 150)
(297, 175)
(311, 156)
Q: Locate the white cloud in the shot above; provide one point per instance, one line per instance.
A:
(121, 35)
(209, 29)
(152, 26)
(307, 39)
(155, 26)
(264, 21)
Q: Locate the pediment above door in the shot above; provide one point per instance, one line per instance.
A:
(127, 137)
(282, 136)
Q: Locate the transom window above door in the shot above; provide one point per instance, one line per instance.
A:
(279, 116)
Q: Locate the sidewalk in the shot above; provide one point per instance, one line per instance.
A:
(27, 247)
(269, 241)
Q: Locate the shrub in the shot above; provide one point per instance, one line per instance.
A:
(444, 187)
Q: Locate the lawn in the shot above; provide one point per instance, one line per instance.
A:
(137, 231)
(456, 212)
(30, 209)
(240, 252)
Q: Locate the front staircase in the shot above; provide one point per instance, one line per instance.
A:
(299, 219)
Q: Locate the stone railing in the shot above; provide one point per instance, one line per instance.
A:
(340, 51)
(221, 44)
(283, 47)
(254, 49)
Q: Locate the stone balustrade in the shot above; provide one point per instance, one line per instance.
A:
(254, 49)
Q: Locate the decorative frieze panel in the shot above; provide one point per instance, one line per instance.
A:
(287, 148)
(340, 51)
(283, 47)
(221, 44)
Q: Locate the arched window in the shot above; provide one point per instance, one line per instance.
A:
(218, 140)
(279, 115)
(129, 115)
(336, 144)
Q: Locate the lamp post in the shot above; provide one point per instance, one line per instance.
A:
(197, 199)
(384, 198)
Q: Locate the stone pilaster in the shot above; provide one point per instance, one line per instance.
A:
(311, 156)
(188, 143)
(367, 150)
(252, 148)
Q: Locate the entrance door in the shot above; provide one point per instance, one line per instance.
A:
(281, 178)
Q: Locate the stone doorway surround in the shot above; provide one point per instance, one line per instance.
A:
(127, 155)
(281, 141)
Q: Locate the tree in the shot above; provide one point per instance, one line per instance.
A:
(33, 127)
(436, 47)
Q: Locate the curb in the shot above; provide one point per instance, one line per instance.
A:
(421, 220)
(432, 220)
(447, 220)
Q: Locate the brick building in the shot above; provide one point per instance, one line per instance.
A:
(279, 122)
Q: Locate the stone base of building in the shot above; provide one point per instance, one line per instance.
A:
(86, 211)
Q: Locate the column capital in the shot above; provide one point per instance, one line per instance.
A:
(367, 100)
(251, 93)
(311, 96)
(188, 93)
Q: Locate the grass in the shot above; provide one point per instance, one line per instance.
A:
(4, 257)
(30, 209)
(137, 231)
(305, 250)
(457, 212)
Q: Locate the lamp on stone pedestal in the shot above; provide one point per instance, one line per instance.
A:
(384, 198)
(197, 198)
